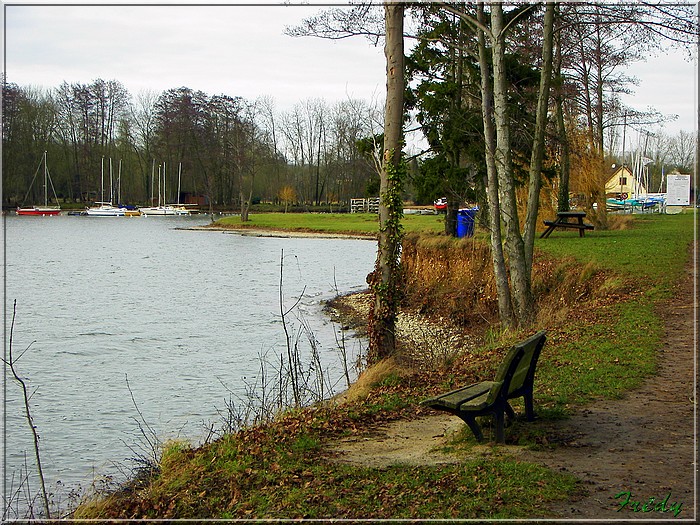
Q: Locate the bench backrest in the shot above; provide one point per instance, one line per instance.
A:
(517, 371)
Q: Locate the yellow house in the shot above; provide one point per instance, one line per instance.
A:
(623, 184)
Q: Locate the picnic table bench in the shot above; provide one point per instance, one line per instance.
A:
(515, 378)
(563, 221)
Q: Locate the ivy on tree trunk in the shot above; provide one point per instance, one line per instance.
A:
(384, 281)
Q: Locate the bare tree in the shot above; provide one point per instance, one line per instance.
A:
(245, 149)
(362, 19)
(598, 41)
(505, 304)
(142, 113)
(11, 363)
(538, 142)
(521, 290)
(516, 300)
(681, 150)
(384, 280)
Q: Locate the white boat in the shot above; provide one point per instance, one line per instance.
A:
(167, 209)
(45, 209)
(105, 208)
(164, 210)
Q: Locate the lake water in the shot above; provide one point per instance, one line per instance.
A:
(184, 315)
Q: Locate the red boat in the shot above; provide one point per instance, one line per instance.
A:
(45, 209)
(39, 210)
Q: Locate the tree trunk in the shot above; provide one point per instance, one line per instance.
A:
(521, 292)
(565, 162)
(505, 306)
(385, 280)
(245, 205)
(451, 218)
(601, 213)
(538, 142)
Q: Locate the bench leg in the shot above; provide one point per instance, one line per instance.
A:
(529, 407)
(500, 432)
(474, 426)
(510, 411)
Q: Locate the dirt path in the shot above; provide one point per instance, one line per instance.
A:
(642, 444)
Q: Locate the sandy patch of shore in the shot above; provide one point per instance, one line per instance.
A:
(283, 234)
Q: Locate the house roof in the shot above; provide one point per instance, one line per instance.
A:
(631, 185)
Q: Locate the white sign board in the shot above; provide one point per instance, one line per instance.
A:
(678, 190)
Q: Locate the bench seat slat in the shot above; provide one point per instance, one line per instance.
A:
(452, 400)
(477, 403)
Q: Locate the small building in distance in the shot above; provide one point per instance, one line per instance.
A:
(623, 184)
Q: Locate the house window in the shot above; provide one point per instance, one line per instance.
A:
(623, 181)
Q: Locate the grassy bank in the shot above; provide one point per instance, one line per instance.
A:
(613, 345)
(350, 223)
(598, 299)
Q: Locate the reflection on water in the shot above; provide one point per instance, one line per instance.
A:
(182, 314)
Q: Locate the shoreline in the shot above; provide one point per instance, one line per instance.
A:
(261, 232)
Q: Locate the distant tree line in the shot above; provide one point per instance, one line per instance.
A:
(227, 151)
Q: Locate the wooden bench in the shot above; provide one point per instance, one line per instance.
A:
(515, 378)
(562, 221)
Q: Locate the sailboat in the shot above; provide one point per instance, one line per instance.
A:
(45, 209)
(129, 210)
(163, 210)
(105, 208)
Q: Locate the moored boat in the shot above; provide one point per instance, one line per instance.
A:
(39, 210)
(45, 209)
(167, 210)
(440, 204)
(164, 210)
(105, 209)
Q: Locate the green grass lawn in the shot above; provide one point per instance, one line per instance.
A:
(616, 348)
(653, 251)
(360, 223)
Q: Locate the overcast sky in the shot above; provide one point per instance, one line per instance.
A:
(233, 50)
(242, 51)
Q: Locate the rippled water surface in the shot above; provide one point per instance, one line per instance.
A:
(184, 315)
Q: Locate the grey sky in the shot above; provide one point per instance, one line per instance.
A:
(242, 51)
(234, 50)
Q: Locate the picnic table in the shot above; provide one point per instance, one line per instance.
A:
(567, 219)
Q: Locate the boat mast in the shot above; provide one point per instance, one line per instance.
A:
(165, 195)
(46, 176)
(102, 188)
(159, 185)
(624, 133)
(111, 189)
(119, 183)
(179, 172)
(153, 172)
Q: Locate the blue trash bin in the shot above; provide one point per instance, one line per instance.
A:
(465, 222)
